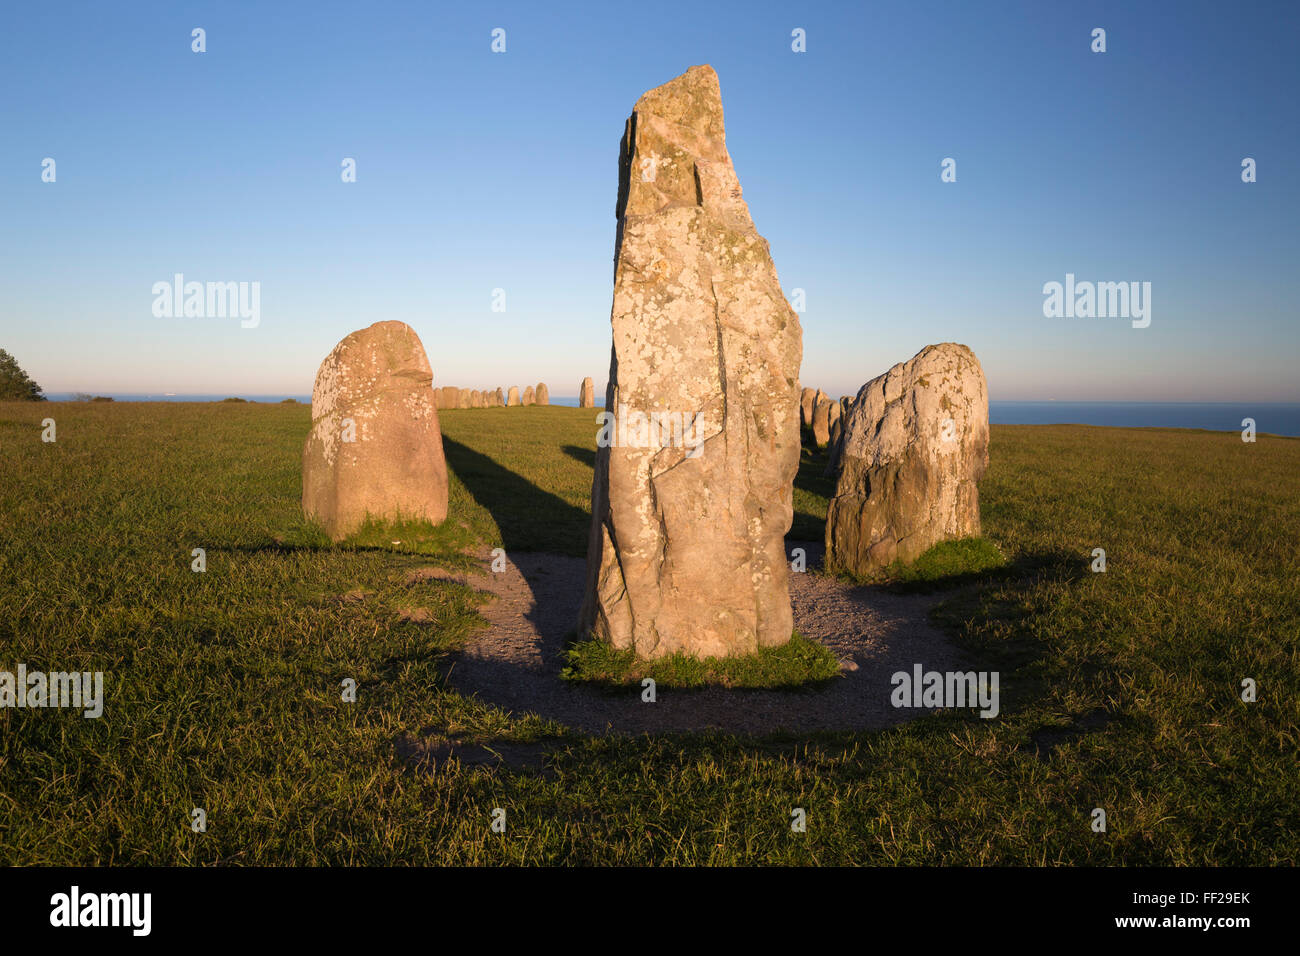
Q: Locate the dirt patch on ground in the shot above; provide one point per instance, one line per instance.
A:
(516, 663)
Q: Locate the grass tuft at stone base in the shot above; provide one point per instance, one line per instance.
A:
(947, 564)
(799, 662)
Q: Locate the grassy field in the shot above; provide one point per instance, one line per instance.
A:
(1119, 690)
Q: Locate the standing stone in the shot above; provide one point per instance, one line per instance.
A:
(837, 438)
(514, 395)
(375, 448)
(437, 398)
(543, 394)
(587, 394)
(500, 399)
(529, 397)
(462, 398)
(833, 413)
(807, 399)
(821, 424)
(687, 547)
(476, 399)
(450, 397)
(915, 444)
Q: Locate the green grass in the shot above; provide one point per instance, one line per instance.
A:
(1118, 690)
(946, 564)
(797, 663)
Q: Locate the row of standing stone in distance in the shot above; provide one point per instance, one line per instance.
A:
(448, 396)
(822, 418)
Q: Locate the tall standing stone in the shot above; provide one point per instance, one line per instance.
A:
(499, 399)
(914, 446)
(529, 397)
(807, 400)
(450, 397)
(375, 448)
(821, 424)
(587, 394)
(514, 395)
(543, 394)
(687, 547)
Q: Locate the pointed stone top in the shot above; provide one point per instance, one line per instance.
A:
(693, 99)
(674, 153)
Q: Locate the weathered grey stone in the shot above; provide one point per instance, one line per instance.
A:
(529, 397)
(543, 394)
(514, 395)
(914, 446)
(375, 448)
(587, 394)
(499, 399)
(687, 547)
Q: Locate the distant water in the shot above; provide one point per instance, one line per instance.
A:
(1275, 418)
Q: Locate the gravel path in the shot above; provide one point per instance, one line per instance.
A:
(516, 663)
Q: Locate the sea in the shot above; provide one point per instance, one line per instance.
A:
(1274, 418)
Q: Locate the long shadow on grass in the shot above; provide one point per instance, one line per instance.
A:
(529, 518)
(810, 479)
(585, 455)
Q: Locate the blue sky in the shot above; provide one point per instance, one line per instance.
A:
(478, 171)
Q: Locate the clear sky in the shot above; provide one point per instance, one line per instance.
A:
(479, 170)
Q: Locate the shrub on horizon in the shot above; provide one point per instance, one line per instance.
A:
(15, 384)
